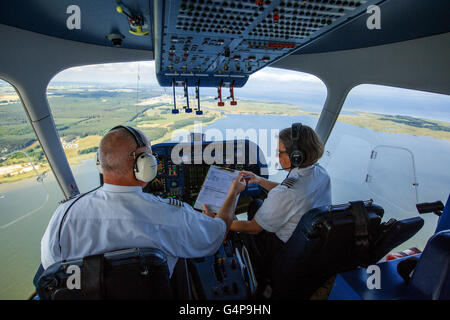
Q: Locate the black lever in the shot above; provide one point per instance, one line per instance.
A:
(186, 94)
(174, 110)
(436, 207)
(406, 267)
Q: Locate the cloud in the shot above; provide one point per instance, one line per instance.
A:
(128, 71)
(110, 72)
(285, 76)
(280, 85)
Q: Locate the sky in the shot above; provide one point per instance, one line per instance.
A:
(281, 86)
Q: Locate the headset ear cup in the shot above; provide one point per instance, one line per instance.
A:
(297, 158)
(145, 167)
(98, 164)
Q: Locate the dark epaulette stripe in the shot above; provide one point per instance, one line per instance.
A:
(289, 182)
(175, 202)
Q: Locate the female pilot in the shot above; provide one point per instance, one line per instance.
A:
(307, 186)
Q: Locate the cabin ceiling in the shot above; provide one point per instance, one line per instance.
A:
(218, 40)
(401, 20)
(98, 19)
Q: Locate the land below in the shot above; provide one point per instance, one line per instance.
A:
(84, 113)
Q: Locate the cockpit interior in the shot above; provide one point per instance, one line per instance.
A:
(218, 45)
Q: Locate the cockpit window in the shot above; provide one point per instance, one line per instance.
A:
(87, 101)
(391, 145)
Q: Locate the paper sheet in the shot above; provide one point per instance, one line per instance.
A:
(215, 188)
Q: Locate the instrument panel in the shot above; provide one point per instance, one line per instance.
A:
(221, 43)
(184, 180)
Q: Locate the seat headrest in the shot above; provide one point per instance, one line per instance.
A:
(140, 273)
(444, 220)
(431, 277)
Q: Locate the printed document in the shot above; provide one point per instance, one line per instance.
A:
(215, 188)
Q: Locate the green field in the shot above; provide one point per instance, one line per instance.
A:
(399, 124)
(83, 114)
(259, 107)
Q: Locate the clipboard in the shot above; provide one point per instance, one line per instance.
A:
(215, 188)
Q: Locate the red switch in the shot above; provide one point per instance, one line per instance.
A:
(275, 17)
(219, 90)
(232, 102)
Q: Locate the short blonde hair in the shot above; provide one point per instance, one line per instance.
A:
(309, 142)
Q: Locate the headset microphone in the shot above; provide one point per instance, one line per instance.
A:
(288, 168)
(277, 164)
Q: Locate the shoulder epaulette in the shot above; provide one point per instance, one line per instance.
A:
(78, 195)
(175, 202)
(289, 182)
(68, 199)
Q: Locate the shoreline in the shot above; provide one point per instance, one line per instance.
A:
(81, 159)
(365, 120)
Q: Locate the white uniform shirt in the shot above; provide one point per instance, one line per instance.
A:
(120, 217)
(288, 202)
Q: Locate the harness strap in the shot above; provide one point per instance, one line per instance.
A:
(64, 217)
(360, 214)
(92, 285)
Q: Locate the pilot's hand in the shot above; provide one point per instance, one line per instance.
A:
(207, 212)
(250, 177)
(238, 184)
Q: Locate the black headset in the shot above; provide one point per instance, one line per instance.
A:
(297, 156)
(137, 137)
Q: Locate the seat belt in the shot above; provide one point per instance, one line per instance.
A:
(92, 284)
(64, 217)
(360, 214)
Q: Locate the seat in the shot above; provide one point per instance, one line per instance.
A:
(444, 219)
(431, 277)
(333, 239)
(140, 273)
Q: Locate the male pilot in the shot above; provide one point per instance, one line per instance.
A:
(119, 215)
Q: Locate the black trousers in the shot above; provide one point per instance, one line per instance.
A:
(262, 247)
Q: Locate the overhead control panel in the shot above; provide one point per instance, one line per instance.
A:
(212, 43)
